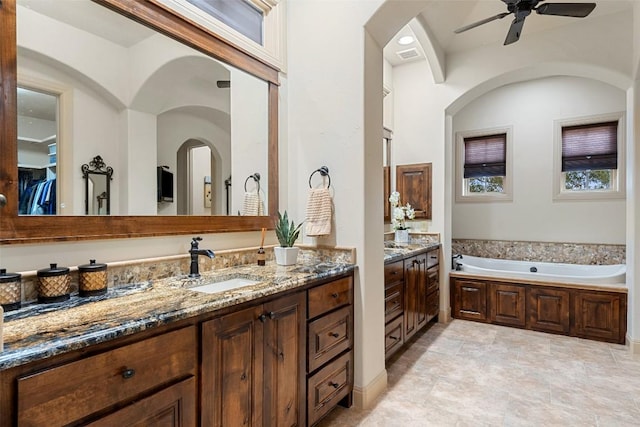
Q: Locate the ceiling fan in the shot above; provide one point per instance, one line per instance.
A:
(523, 8)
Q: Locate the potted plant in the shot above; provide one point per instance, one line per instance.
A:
(399, 216)
(287, 234)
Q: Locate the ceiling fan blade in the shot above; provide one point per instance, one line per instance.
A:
(575, 10)
(514, 31)
(484, 21)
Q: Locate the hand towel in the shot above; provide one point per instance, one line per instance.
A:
(319, 212)
(253, 204)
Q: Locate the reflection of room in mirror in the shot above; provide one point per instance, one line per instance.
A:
(37, 152)
(150, 101)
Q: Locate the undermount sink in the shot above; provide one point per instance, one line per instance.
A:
(225, 285)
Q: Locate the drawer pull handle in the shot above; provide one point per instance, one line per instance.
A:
(334, 334)
(262, 317)
(128, 373)
(434, 257)
(393, 338)
(335, 295)
(334, 385)
(272, 315)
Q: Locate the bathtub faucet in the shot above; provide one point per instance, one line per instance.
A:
(455, 265)
(195, 252)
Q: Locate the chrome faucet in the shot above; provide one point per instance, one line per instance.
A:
(194, 252)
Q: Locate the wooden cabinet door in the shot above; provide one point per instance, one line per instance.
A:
(422, 283)
(232, 369)
(469, 300)
(507, 304)
(597, 315)
(548, 310)
(175, 406)
(413, 182)
(284, 362)
(411, 276)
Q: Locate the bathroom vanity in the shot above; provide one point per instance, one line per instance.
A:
(276, 352)
(412, 292)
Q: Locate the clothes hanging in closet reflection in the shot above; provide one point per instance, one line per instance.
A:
(38, 197)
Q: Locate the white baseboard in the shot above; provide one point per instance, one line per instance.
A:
(444, 316)
(364, 397)
(634, 345)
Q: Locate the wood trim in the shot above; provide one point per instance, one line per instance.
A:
(16, 229)
(386, 186)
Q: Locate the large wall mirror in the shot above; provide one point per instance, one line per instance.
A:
(162, 101)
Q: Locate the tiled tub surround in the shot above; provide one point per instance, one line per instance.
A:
(123, 273)
(570, 253)
(38, 331)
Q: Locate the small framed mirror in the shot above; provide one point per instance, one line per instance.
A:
(97, 187)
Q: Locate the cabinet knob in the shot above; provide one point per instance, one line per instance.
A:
(334, 385)
(272, 315)
(3, 199)
(334, 334)
(128, 373)
(262, 317)
(335, 295)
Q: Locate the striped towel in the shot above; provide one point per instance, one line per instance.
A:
(319, 212)
(253, 204)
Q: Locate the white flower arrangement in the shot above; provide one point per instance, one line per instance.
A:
(400, 214)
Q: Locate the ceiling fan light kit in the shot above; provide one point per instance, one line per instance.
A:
(523, 8)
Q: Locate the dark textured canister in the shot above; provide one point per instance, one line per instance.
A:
(10, 290)
(92, 279)
(54, 284)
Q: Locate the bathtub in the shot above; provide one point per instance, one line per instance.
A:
(545, 271)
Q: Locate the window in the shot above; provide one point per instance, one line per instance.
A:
(483, 159)
(589, 154)
(239, 15)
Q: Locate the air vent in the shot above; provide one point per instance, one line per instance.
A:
(408, 54)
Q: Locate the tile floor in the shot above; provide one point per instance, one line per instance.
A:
(470, 374)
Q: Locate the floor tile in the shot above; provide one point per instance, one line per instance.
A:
(472, 374)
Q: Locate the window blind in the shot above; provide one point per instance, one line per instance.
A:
(485, 156)
(593, 146)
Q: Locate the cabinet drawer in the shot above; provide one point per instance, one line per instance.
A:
(70, 392)
(329, 336)
(433, 258)
(394, 272)
(332, 295)
(328, 386)
(393, 336)
(172, 406)
(393, 301)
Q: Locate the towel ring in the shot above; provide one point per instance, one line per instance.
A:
(324, 171)
(256, 178)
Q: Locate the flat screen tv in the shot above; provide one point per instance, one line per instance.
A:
(165, 184)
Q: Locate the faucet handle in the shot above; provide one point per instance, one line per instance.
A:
(194, 242)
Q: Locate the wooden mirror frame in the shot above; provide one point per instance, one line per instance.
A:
(16, 228)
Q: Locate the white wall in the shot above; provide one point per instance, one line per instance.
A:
(530, 108)
(325, 127)
(201, 166)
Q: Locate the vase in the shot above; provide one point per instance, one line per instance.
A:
(402, 236)
(286, 256)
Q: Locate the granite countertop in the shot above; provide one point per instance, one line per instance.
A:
(38, 331)
(395, 251)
